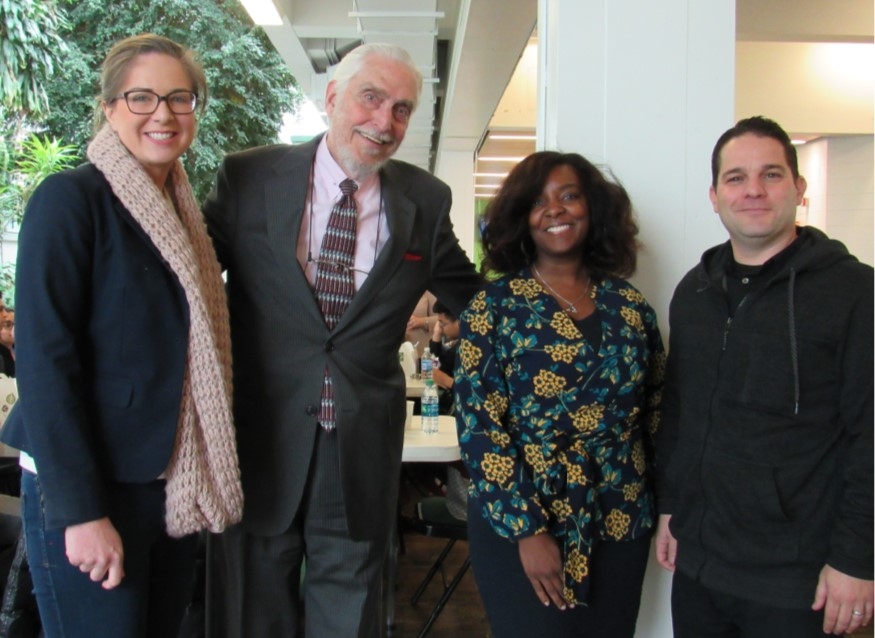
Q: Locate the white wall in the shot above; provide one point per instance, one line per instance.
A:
(850, 194)
(650, 89)
(840, 172)
(518, 107)
(816, 88)
(456, 168)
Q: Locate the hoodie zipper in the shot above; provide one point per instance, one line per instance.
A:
(728, 325)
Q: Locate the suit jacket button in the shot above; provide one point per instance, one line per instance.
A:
(329, 347)
(312, 410)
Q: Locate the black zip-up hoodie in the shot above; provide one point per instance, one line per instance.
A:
(764, 453)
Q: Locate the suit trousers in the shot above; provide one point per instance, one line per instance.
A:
(312, 580)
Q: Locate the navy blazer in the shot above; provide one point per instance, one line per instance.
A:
(101, 343)
(282, 345)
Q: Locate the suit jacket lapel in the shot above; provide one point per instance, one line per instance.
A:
(285, 196)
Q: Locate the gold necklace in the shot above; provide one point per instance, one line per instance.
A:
(571, 309)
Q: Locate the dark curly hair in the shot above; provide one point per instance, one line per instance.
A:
(610, 247)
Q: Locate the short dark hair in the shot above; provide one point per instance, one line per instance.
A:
(440, 309)
(610, 246)
(761, 127)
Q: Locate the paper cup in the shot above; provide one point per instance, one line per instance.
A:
(408, 422)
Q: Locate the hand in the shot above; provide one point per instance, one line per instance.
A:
(417, 323)
(437, 332)
(542, 562)
(839, 595)
(666, 544)
(96, 549)
(442, 379)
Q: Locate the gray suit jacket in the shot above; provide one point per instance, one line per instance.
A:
(281, 344)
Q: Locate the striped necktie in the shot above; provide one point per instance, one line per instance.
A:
(334, 279)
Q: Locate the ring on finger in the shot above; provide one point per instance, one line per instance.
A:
(856, 612)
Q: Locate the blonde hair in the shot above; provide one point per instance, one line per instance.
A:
(118, 61)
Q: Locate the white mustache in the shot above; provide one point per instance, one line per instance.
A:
(381, 138)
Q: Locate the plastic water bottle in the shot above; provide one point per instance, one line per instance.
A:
(426, 365)
(429, 407)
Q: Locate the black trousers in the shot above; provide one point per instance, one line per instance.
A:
(616, 569)
(700, 612)
(313, 577)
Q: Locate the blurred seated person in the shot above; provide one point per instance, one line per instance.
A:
(7, 341)
(443, 478)
(444, 339)
(421, 322)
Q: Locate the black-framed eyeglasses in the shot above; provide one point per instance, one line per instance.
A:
(145, 102)
(336, 266)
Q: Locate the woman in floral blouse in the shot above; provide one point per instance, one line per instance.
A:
(558, 383)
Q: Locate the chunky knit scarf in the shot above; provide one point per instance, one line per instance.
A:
(203, 480)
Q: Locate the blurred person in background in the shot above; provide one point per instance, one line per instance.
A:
(443, 343)
(7, 340)
(421, 323)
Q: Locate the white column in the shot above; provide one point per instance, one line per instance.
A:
(644, 89)
(455, 166)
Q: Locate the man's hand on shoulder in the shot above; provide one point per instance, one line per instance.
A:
(840, 596)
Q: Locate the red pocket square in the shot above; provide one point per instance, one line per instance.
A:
(412, 257)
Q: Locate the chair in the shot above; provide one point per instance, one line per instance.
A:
(433, 518)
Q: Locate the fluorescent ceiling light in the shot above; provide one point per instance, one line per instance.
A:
(500, 159)
(262, 12)
(396, 14)
(797, 142)
(502, 136)
(490, 175)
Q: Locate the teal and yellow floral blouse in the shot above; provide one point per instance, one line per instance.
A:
(557, 437)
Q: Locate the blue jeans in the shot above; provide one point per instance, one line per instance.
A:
(159, 570)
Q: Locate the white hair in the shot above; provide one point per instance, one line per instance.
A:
(352, 64)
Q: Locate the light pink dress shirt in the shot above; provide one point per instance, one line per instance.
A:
(324, 192)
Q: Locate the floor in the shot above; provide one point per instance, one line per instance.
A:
(463, 617)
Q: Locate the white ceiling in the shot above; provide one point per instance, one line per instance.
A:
(460, 98)
(468, 49)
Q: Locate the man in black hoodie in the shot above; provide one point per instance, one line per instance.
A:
(764, 453)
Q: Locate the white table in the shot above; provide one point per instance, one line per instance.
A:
(442, 447)
(419, 447)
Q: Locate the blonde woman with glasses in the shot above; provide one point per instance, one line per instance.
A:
(124, 416)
